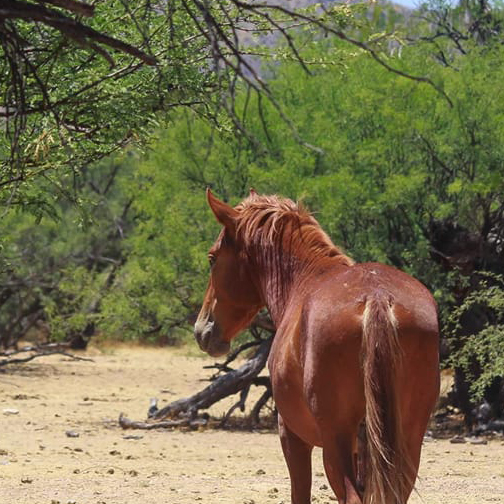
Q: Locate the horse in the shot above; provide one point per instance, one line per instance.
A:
(354, 364)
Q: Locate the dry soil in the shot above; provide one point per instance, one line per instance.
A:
(40, 464)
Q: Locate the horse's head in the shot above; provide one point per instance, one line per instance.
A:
(232, 298)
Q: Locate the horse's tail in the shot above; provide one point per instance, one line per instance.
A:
(387, 474)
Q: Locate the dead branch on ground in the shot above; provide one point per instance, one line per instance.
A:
(225, 382)
(37, 351)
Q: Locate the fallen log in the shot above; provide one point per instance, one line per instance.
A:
(227, 381)
(126, 423)
(230, 383)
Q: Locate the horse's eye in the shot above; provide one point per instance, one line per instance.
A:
(211, 259)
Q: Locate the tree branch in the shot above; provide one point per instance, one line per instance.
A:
(71, 28)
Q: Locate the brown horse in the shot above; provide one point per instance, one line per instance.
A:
(354, 363)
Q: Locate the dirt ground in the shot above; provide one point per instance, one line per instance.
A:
(40, 464)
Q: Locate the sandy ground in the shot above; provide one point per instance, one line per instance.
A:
(39, 464)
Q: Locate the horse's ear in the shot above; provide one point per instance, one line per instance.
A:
(224, 213)
(253, 193)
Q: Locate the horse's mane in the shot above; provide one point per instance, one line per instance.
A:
(272, 220)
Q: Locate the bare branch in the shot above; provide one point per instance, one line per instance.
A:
(81, 8)
(126, 423)
(22, 360)
(16, 9)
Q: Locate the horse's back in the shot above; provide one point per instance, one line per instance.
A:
(331, 338)
(335, 303)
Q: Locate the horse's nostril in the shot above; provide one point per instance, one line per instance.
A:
(203, 334)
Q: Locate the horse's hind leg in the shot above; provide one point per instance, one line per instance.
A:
(360, 458)
(298, 457)
(339, 463)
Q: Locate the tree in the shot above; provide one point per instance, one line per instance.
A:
(402, 175)
(83, 81)
(405, 171)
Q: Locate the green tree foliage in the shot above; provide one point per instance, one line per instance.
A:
(67, 102)
(481, 353)
(401, 174)
(405, 171)
(55, 270)
(80, 81)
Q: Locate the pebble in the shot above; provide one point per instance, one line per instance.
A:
(71, 433)
(458, 440)
(10, 411)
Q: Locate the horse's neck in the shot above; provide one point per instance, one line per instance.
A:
(287, 269)
(280, 283)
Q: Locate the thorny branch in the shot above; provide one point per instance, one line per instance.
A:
(219, 29)
(69, 27)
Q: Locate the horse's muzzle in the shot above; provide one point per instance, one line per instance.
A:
(209, 339)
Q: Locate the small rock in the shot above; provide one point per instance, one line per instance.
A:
(114, 452)
(110, 471)
(153, 408)
(10, 411)
(458, 440)
(478, 441)
(323, 487)
(136, 437)
(26, 479)
(71, 433)
(133, 472)
(259, 472)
